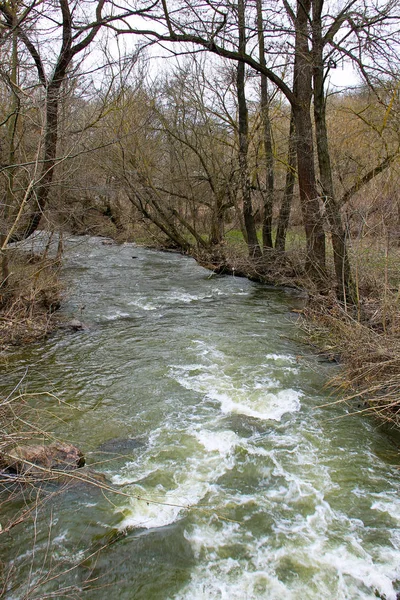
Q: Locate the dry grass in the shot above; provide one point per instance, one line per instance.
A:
(29, 298)
(366, 339)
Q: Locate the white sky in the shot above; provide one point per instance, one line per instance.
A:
(343, 77)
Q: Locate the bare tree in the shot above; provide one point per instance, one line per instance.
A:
(74, 31)
(316, 36)
(267, 135)
(214, 34)
(243, 131)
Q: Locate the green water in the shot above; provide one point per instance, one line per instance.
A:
(240, 484)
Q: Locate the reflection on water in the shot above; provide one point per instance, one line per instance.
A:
(238, 485)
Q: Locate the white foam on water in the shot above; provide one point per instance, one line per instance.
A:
(191, 481)
(211, 539)
(354, 570)
(303, 566)
(250, 393)
(141, 471)
(267, 406)
(226, 578)
(317, 553)
(119, 314)
(249, 400)
(220, 441)
(389, 505)
(187, 298)
(205, 349)
(258, 451)
(158, 510)
(220, 576)
(143, 304)
(221, 583)
(283, 359)
(177, 297)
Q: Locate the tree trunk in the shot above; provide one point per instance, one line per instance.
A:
(267, 138)
(11, 131)
(286, 205)
(243, 127)
(312, 219)
(340, 252)
(217, 220)
(159, 219)
(41, 192)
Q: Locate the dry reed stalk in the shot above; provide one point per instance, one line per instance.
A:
(369, 351)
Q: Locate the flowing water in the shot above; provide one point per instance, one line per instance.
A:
(238, 482)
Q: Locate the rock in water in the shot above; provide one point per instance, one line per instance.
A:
(34, 460)
(76, 325)
(120, 446)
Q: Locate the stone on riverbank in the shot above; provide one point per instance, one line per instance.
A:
(35, 460)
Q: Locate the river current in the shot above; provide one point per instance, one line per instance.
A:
(244, 480)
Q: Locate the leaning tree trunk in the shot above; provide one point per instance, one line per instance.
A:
(151, 210)
(243, 126)
(309, 197)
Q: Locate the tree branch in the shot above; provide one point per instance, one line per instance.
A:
(367, 178)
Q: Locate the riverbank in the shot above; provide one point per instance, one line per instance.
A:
(368, 348)
(364, 338)
(29, 298)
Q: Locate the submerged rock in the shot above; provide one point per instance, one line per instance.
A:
(37, 459)
(76, 325)
(120, 446)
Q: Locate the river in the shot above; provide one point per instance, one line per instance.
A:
(241, 482)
